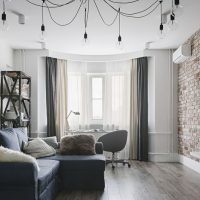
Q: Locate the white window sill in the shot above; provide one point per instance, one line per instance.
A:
(195, 154)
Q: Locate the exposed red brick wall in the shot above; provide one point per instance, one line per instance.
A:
(189, 100)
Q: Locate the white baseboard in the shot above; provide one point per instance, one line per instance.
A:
(163, 157)
(192, 164)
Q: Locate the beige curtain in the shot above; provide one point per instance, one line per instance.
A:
(61, 99)
(133, 111)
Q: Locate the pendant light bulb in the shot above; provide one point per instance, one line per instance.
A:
(177, 3)
(4, 21)
(172, 24)
(43, 33)
(162, 32)
(119, 43)
(119, 39)
(85, 41)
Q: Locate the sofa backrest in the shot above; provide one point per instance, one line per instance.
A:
(13, 138)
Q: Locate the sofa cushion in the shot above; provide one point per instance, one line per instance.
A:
(80, 162)
(9, 139)
(21, 135)
(48, 172)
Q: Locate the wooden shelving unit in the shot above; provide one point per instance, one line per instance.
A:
(13, 96)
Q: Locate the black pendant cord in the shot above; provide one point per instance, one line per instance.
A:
(115, 9)
(59, 5)
(135, 13)
(4, 6)
(127, 2)
(49, 4)
(161, 17)
(101, 16)
(142, 16)
(43, 26)
(85, 24)
(87, 13)
(50, 7)
(119, 22)
(119, 36)
(68, 23)
(172, 16)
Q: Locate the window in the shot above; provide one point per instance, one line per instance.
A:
(97, 97)
(101, 93)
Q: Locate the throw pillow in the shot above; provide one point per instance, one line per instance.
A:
(38, 148)
(9, 139)
(51, 141)
(8, 155)
(22, 135)
(78, 145)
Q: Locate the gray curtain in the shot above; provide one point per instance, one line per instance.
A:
(51, 64)
(142, 104)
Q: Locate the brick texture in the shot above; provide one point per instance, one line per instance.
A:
(189, 101)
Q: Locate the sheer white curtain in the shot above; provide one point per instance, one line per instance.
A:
(61, 98)
(117, 99)
(77, 95)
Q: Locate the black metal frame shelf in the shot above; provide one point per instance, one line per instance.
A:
(15, 98)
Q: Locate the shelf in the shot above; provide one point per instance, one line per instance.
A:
(25, 120)
(16, 74)
(15, 96)
(10, 120)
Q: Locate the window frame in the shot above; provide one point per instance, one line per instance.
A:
(91, 76)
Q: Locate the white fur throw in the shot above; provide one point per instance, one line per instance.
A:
(8, 155)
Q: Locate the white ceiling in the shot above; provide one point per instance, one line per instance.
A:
(102, 39)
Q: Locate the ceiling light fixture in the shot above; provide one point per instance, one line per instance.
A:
(161, 18)
(119, 37)
(50, 5)
(43, 29)
(172, 24)
(4, 17)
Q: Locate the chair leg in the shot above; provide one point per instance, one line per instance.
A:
(113, 160)
(123, 162)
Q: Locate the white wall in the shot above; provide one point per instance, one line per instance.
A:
(162, 95)
(32, 62)
(6, 56)
(162, 106)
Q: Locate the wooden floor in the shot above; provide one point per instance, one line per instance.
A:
(144, 181)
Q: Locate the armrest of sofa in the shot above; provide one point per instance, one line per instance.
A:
(18, 174)
(99, 148)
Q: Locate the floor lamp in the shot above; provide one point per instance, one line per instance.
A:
(75, 113)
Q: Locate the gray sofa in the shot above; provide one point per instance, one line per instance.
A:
(22, 181)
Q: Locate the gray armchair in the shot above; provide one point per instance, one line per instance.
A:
(114, 142)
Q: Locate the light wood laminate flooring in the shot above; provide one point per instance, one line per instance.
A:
(144, 181)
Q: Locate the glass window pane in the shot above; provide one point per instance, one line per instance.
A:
(97, 109)
(97, 87)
